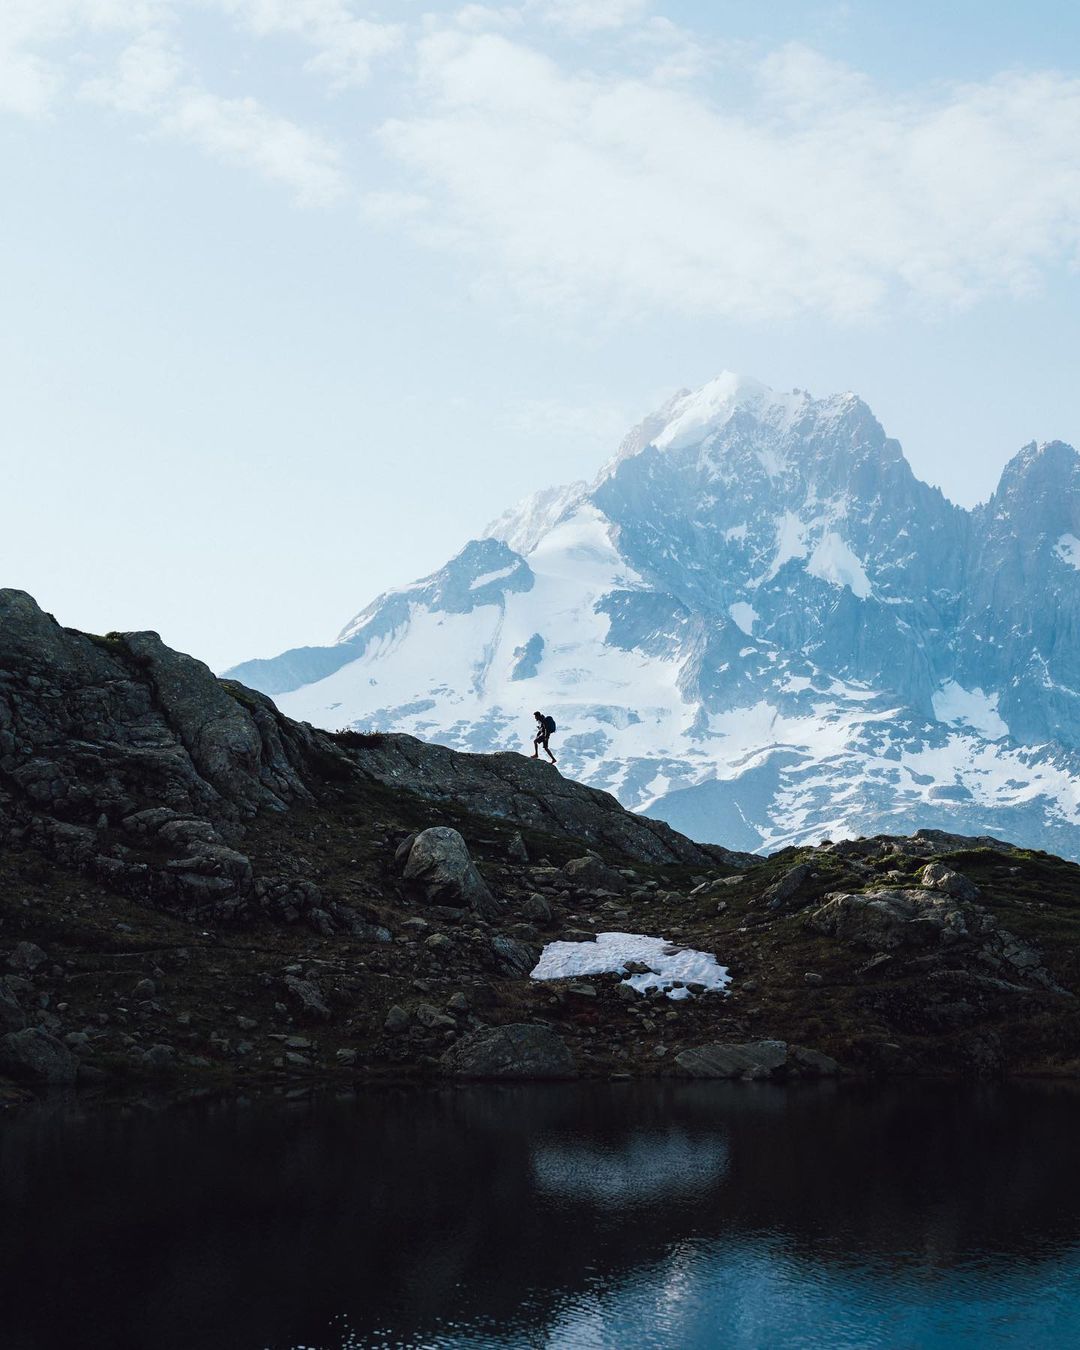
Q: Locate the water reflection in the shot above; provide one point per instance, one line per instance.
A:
(648, 1215)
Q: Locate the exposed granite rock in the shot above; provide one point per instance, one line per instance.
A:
(516, 1051)
(439, 866)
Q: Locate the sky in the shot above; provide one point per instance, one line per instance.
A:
(297, 295)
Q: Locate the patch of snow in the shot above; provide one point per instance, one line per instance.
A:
(790, 542)
(744, 615)
(833, 561)
(489, 577)
(735, 534)
(671, 967)
(971, 707)
(1068, 550)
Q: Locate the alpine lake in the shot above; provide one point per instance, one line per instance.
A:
(655, 1214)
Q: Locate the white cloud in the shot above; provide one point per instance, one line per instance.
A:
(590, 16)
(32, 34)
(821, 194)
(240, 131)
(345, 44)
(150, 77)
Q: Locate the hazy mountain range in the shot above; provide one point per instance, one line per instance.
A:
(755, 623)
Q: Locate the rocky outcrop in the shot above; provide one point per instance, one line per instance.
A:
(137, 765)
(926, 920)
(133, 762)
(521, 1051)
(534, 795)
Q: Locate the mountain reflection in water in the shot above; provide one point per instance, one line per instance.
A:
(662, 1215)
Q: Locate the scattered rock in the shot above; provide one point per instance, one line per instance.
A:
(26, 957)
(307, 994)
(396, 1020)
(537, 907)
(523, 1051)
(11, 1014)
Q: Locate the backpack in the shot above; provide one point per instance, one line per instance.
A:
(549, 724)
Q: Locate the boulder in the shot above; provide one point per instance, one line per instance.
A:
(885, 919)
(11, 1014)
(787, 888)
(521, 1050)
(440, 867)
(749, 1059)
(35, 1053)
(537, 907)
(516, 957)
(591, 873)
(936, 876)
(26, 957)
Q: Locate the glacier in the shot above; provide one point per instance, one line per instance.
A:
(755, 623)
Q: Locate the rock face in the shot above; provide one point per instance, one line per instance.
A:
(133, 761)
(760, 608)
(440, 866)
(517, 1051)
(534, 795)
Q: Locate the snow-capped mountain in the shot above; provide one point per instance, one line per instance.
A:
(757, 624)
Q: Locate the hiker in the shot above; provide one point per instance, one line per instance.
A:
(544, 727)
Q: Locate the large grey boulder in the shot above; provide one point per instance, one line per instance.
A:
(593, 874)
(749, 1059)
(35, 1053)
(885, 919)
(521, 1050)
(440, 867)
(936, 876)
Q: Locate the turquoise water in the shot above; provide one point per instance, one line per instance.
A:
(677, 1216)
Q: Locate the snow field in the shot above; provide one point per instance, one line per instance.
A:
(671, 967)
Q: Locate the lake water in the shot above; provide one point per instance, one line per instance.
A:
(629, 1215)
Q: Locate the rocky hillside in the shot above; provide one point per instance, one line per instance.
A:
(756, 624)
(196, 891)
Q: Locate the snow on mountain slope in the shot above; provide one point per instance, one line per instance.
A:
(756, 623)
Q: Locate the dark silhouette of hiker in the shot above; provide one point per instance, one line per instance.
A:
(544, 727)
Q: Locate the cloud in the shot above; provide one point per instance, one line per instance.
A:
(345, 44)
(816, 194)
(33, 34)
(240, 131)
(581, 17)
(43, 41)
